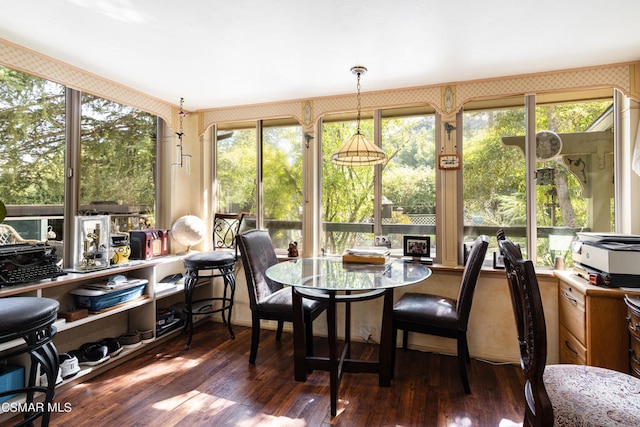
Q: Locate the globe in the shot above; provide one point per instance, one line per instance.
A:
(188, 230)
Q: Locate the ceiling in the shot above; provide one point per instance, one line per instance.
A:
(217, 53)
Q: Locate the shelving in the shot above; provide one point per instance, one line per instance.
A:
(136, 315)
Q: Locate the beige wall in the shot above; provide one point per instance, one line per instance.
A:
(491, 335)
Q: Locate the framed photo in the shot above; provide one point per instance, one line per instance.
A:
(383, 241)
(498, 260)
(417, 246)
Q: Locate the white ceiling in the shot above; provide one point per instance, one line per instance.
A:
(218, 53)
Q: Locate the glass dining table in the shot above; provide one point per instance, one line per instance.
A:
(329, 279)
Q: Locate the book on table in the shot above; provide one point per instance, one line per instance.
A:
(366, 255)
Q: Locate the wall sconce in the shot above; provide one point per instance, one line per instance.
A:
(181, 156)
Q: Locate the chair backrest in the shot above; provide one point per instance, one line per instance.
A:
(257, 253)
(470, 278)
(531, 328)
(226, 227)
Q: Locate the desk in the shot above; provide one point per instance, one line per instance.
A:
(331, 280)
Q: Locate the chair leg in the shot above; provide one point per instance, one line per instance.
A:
(308, 328)
(463, 355)
(279, 330)
(405, 339)
(394, 340)
(255, 337)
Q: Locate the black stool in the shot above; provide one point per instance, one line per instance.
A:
(31, 319)
(218, 263)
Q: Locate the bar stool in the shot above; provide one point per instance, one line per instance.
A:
(31, 319)
(219, 262)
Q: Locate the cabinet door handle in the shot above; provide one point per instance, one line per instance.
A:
(631, 325)
(570, 298)
(633, 357)
(566, 344)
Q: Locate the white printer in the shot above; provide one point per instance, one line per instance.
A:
(607, 259)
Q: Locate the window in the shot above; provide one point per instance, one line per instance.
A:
(407, 186)
(236, 170)
(282, 183)
(118, 163)
(494, 185)
(32, 154)
(347, 192)
(408, 178)
(575, 171)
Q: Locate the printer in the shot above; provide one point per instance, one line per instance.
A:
(607, 259)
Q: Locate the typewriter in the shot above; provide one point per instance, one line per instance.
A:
(25, 262)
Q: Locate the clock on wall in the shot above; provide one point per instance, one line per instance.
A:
(548, 145)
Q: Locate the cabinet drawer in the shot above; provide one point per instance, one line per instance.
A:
(634, 355)
(572, 312)
(633, 322)
(571, 350)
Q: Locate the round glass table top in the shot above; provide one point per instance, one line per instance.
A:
(332, 274)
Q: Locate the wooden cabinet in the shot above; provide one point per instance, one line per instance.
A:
(593, 325)
(633, 323)
(137, 315)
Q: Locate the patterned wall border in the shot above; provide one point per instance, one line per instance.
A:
(447, 99)
(28, 61)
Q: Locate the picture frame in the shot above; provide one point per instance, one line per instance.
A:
(417, 246)
(382, 241)
(498, 260)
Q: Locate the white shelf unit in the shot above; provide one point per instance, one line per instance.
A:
(139, 314)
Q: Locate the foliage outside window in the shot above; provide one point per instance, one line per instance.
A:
(347, 192)
(494, 193)
(32, 150)
(236, 170)
(408, 179)
(282, 184)
(575, 189)
(118, 163)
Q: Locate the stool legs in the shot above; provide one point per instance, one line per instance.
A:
(191, 280)
(44, 357)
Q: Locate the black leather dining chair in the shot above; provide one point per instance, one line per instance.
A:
(270, 300)
(442, 316)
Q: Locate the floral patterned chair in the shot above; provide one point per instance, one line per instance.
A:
(564, 394)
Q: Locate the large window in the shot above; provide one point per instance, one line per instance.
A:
(118, 163)
(118, 152)
(575, 173)
(32, 153)
(282, 183)
(238, 186)
(347, 191)
(407, 185)
(494, 192)
(408, 178)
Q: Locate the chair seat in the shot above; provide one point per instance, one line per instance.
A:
(281, 301)
(209, 259)
(22, 314)
(592, 396)
(426, 309)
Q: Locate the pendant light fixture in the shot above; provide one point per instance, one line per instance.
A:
(358, 150)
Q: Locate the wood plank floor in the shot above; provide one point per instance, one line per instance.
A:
(212, 384)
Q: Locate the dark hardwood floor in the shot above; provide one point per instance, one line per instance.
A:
(213, 384)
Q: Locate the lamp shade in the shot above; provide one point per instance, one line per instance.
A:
(358, 151)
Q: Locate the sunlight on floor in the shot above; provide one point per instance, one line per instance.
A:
(508, 423)
(461, 422)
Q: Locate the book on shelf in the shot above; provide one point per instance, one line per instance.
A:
(366, 255)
